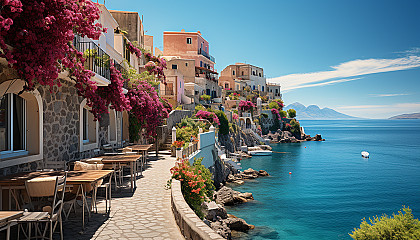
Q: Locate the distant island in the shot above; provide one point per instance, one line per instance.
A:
(314, 112)
(407, 116)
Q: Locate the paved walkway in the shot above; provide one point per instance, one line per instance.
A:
(146, 214)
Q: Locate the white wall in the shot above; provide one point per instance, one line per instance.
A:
(207, 149)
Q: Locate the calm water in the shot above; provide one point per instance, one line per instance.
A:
(332, 187)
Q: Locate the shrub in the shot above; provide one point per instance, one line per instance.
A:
(246, 105)
(399, 226)
(224, 123)
(291, 113)
(179, 107)
(205, 97)
(210, 116)
(184, 134)
(283, 114)
(295, 128)
(280, 103)
(274, 105)
(196, 183)
(247, 88)
(199, 107)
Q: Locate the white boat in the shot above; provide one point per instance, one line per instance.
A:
(365, 154)
(260, 153)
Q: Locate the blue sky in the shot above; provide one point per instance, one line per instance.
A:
(358, 57)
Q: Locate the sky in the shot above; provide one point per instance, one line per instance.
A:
(359, 57)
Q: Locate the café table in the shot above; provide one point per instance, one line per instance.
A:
(120, 160)
(6, 218)
(143, 149)
(74, 178)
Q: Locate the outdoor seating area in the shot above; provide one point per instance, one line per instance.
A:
(35, 204)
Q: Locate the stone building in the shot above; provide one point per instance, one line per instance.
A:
(47, 127)
(240, 75)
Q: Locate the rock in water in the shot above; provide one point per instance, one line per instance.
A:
(225, 196)
(221, 228)
(214, 210)
(263, 173)
(238, 224)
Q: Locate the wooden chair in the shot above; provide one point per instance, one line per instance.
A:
(50, 215)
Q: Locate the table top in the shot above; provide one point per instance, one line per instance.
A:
(119, 158)
(6, 216)
(140, 147)
(73, 177)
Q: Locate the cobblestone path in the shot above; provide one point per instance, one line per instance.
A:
(144, 214)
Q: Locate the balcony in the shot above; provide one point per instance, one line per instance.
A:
(97, 60)
(208, 56)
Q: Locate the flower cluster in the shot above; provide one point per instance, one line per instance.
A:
(234, 96)
(275, 112)
(155, 66)
(40, 34)
(280, 103)
(132, 49)
(178, 144)
(246, 105)
(288, 126)
(235, 116)
(211, 116)
(147, 107)
(196, 183)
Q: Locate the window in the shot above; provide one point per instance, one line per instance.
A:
(201, 63)
(262, 88)
(253, 73)
(226, 85)
(206, 50)
(88, 129)
(13, 125)
(233, 73)
(277, 91)
(242, 73)
(253, 87)
(186, 64)
(174, 66)
(189, 41)
(85, 126)
(259, 74)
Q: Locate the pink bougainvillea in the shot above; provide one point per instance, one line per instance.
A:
(211, 116)
(275, 112)
(134, 49)
(155, 66)
(246, 105)
(235, 116)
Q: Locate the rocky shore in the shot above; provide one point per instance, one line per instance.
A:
(215, 214)
(288, 137)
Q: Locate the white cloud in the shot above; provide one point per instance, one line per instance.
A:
(380, 111)
(345, 70)
(390, 94)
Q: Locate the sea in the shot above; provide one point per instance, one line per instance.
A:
(323, 190)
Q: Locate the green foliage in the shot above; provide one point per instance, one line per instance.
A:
(189, 127)
(247, 88)
(250, 97)
(295, 128)
(235, 111)
(134, 128)
(179, 107)
(199, 107)
(205, 97)
(399, 226)
(224, 123)
(185, 133)
(274, 105)
(283, 114)
(291, 113)
(135, 78)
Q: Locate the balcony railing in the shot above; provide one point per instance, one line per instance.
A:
(208, 56)
(97, 60)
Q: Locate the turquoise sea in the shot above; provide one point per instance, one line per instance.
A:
(332, 187)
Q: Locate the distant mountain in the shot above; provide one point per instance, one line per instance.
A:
(314, 112)
(407, 116)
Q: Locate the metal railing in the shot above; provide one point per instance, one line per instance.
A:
(97, 60)
(208, 56)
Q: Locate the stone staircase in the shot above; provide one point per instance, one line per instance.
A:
(167, 144)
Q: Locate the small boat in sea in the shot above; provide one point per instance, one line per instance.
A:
(365, 154)
(260, 153)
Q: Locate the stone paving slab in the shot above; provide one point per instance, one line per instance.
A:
(144, 214)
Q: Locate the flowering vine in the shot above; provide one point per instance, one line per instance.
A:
(156, 65)
(211, 116)
(275, 112)
(133, 49)
(246, 105)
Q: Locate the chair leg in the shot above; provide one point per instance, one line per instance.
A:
(51, 230)
(61, 228)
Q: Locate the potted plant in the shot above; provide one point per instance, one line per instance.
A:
(178, 144)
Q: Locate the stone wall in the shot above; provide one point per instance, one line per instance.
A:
(61, 125)
(176, 116)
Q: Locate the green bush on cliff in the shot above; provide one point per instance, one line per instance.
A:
(291, 113)
(283, 114)
(399, 226)
(295, 128)
(224, 123)
(274, 105)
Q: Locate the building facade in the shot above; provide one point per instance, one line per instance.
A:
(240, 75)
(186, 46)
